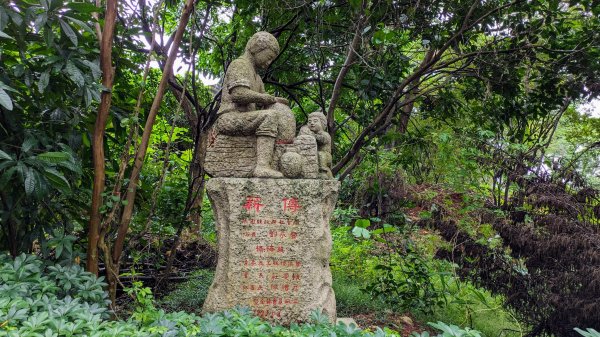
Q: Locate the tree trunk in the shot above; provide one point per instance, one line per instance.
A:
(143, 147)
(197, 182)
(98, 139)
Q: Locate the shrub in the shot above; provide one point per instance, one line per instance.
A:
(551, 276)
(51, 301)
(38, 300)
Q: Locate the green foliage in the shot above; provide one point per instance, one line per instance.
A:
(190, 295)
(239, 323)
(406, 282)
(400, 276)
(49, 80)
(54, 300)
(452, 331)
(589, 332)
(36, 299)
(476, 308)
(350, 256)
(351, 299)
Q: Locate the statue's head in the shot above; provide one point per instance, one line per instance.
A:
(264, 48)
(317, 121)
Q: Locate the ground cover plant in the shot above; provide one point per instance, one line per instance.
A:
(49, 300)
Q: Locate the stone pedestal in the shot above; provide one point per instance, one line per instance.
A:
(274, 247)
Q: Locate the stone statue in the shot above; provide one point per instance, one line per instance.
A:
(273, 234)
(246, 110)
(253, 136)
(316, 127)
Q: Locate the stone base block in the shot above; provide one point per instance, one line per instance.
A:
(274, 247)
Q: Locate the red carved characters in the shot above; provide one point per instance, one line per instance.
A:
(269, 275)
(291, 205)
(253, 203)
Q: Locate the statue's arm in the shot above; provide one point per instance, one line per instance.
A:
(244, 95)
(238, 82)
(304, 130)
(323, 139)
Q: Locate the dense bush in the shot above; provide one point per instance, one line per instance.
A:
(551, 275)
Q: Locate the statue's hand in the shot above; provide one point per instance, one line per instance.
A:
(268, 99)
(282, 100)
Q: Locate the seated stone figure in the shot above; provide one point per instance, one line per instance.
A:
(247, 110)
(316, 126)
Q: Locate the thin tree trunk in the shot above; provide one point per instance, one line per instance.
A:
(98, 139)
(141, 153)
(197, 182)
(337, 87)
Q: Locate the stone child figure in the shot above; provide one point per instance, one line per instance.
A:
(246, 110)
(316, 127)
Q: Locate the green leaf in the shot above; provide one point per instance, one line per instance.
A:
(29, 182)
(5, 100)
(3, 18)
(75, 74)
(54, 157)
(355, 3)
(94, 67)
(57, 180)
(83, 7)
(6, 36)
(45, 4)
(6, 163)
(81, 24)
(4, 155)
(362, 223)
(28, 144)
(360, 232)
(43, 82)
(69, 32)
(40, 21)
(58, 250)
(5, 178)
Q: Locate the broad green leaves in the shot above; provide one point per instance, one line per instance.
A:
(38, 173)
(48, 84)
(360, 228)
(5, 100)
(44, 80)
(74, 74)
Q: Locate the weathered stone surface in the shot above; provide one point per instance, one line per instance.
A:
(229, 156)
(291, 164)
(235, 156)
(316, 127)
(247, 110)
(306, 146)
(274, 246)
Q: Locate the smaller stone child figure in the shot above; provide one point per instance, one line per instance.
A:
(316, 127)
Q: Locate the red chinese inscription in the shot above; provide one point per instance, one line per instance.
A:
(269, 249)
(253, 203)
(291, 204)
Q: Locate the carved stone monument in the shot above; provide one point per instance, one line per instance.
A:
(272, 195)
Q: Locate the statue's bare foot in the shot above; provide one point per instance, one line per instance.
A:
(265, 172)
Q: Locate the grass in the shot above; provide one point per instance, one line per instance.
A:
(189, 296)
(468, 306)
(351, 300)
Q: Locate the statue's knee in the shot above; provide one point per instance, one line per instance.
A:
(286, 121)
